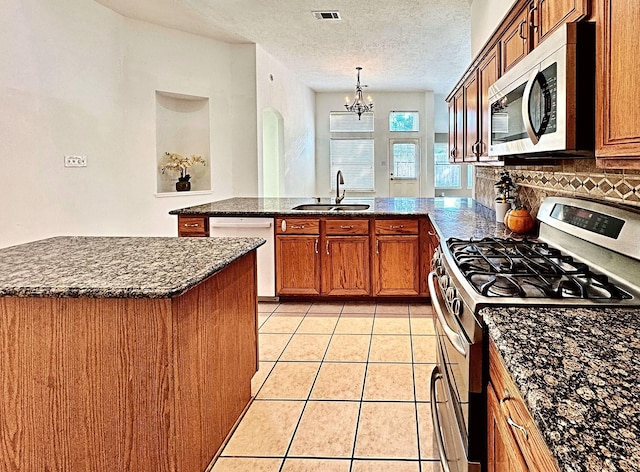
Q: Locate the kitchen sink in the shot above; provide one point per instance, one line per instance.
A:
(329, 207)
(351, 207)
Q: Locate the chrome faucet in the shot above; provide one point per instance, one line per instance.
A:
(339, 180)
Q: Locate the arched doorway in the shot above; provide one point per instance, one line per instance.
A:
(272, 153)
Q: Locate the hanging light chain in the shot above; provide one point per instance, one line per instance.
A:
(359, 105)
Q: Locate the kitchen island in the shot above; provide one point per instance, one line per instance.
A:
(124, 353)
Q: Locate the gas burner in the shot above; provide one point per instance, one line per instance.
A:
(528, 269)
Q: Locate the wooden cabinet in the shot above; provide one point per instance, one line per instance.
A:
(429, 241)
(396, 259)
(456, 127)
(548, 15)
(470, 127)
(515, 42)
(488, 73)
(297, 256)
(193, 226)
(345, 261)
(618, 86)
(514, 442)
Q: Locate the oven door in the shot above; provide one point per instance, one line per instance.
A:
(450, 390)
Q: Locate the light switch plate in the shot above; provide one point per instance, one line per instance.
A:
(75, 161)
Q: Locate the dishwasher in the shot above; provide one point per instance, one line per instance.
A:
(253, 228)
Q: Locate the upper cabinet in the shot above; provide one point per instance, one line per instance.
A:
(515, 42)
(523, 28)
(617, 70)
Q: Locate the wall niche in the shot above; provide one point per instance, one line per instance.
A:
(182, 127)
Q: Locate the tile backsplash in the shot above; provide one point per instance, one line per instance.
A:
(569, 177)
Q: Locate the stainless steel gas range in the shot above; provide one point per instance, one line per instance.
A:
(587, 254)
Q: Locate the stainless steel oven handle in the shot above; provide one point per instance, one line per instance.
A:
(456, 339)
(435, 376)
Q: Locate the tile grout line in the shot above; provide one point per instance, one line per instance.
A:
(304, 407)
(364, 384)
(415, 394)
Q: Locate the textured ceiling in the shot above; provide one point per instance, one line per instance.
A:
(403, 45)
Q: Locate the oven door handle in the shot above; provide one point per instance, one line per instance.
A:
(456, 339)
(442, 453)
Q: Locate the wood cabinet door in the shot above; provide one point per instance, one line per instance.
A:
(515, 42)
(345, 266)
(297, 265)
(396, 264)
(488, 73)
(428, 243)
(548, 15)
(470, 88)
(618, 87)
(503, 453)
(452, 129)
(459, 117)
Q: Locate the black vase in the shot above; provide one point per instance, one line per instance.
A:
(183, 184)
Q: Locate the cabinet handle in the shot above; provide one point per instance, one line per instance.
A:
(346, 226)
(431, 233)
(297, 226)
(327, 247)
(191, 225)
(510, 422)
(315, 246)
(396, 226)
(453, 153)
(532, 23)
(520, 33)
(480, 148)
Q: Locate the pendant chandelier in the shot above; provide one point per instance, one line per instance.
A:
(359, 106)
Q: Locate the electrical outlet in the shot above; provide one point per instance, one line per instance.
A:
(75, 161)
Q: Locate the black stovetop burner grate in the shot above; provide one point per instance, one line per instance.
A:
(528, 268)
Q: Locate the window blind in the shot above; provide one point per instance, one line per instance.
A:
(354, 157)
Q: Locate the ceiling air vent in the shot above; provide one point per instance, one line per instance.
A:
(326, 15)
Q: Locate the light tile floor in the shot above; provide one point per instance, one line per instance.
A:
(341, 387)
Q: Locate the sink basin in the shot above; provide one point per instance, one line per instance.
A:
(314, 207)
(351, 207)
(329, 207)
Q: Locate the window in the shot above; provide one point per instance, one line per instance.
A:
(446, 175)
(354, 157)
(470, 171)
(405, 156)
(348, 122)
(403, 121)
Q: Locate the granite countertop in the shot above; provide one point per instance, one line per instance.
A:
(453, 217)
(115, 267)
(578, 371)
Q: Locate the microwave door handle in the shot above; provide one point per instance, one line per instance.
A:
(526, 116)
(456, 339)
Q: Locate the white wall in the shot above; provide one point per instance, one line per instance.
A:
(76, 78)
(296, 104)
(384, 102)
(486, 15)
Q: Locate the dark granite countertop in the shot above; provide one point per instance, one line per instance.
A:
(453, 217)
(115, 267)
(578, 371)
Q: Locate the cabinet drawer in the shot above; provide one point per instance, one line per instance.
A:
(347, 226)
(396, 226)
(297, 226)
(194, 226)
(522, 427)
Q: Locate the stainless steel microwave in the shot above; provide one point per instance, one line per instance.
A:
(545, 105)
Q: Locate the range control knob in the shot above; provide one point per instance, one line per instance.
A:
(451, 294)
(444, 281)
(456, 307)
